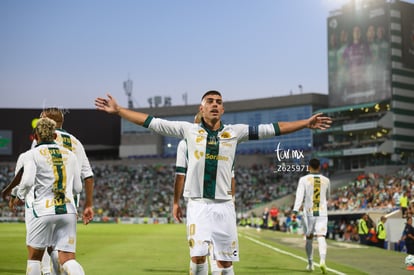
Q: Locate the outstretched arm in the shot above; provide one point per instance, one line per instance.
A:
(316, 121)
(110, 106)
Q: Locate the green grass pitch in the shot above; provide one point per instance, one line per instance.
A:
(162, 249)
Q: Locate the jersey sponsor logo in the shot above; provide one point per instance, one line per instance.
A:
(217, 157)
(56, 202)
(198, 154)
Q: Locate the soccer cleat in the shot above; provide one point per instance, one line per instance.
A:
(310, 267)
(323, 268)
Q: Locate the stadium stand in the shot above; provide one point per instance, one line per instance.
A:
(130, 189)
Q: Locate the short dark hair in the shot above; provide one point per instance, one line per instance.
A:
(314, 164)
(53, 113)
(211, 92)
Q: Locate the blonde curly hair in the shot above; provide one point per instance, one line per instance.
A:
(45, 129)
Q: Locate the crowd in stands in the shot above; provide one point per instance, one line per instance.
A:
(368, 192)
(374, 191)
(137, 190)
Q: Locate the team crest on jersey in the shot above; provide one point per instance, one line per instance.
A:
(225, 135)
(191, 243)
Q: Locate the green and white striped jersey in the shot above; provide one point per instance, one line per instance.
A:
(52, 173)
(211, 154)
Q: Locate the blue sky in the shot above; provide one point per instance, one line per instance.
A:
(66, 53)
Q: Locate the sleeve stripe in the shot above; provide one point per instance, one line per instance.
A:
(277, 129)
(253, 133)
(180, 170)
(147, 121)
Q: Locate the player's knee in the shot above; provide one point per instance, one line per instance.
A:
(199, 252)
(65, 256)
(198, 259)
(35, 253)
(224, 264)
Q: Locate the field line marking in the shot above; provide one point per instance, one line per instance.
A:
(286, 253)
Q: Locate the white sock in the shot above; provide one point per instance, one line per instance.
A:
(198, 269)
(72, 267)
(46, 263)
(215, 270)
(228, 271)
(33, 267)
(57, 268)
(322, 248)
(309, 250)
(218, 271)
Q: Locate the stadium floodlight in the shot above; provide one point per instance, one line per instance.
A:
(128, 92)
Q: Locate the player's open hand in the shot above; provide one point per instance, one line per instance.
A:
(318, 121)
(177, 213)
(108, 105)
(87, 215)
(13, 202)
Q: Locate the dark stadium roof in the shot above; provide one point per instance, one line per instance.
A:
(346, 108)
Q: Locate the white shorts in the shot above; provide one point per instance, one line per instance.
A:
(315, 225)
(29, 219)
(58, 231)
(212, 222)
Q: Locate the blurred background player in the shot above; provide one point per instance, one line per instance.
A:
(54, 173)
(313, 192)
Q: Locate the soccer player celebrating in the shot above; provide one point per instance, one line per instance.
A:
(211, 216)
(181, 168)
(70, 142)
(53, 171)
